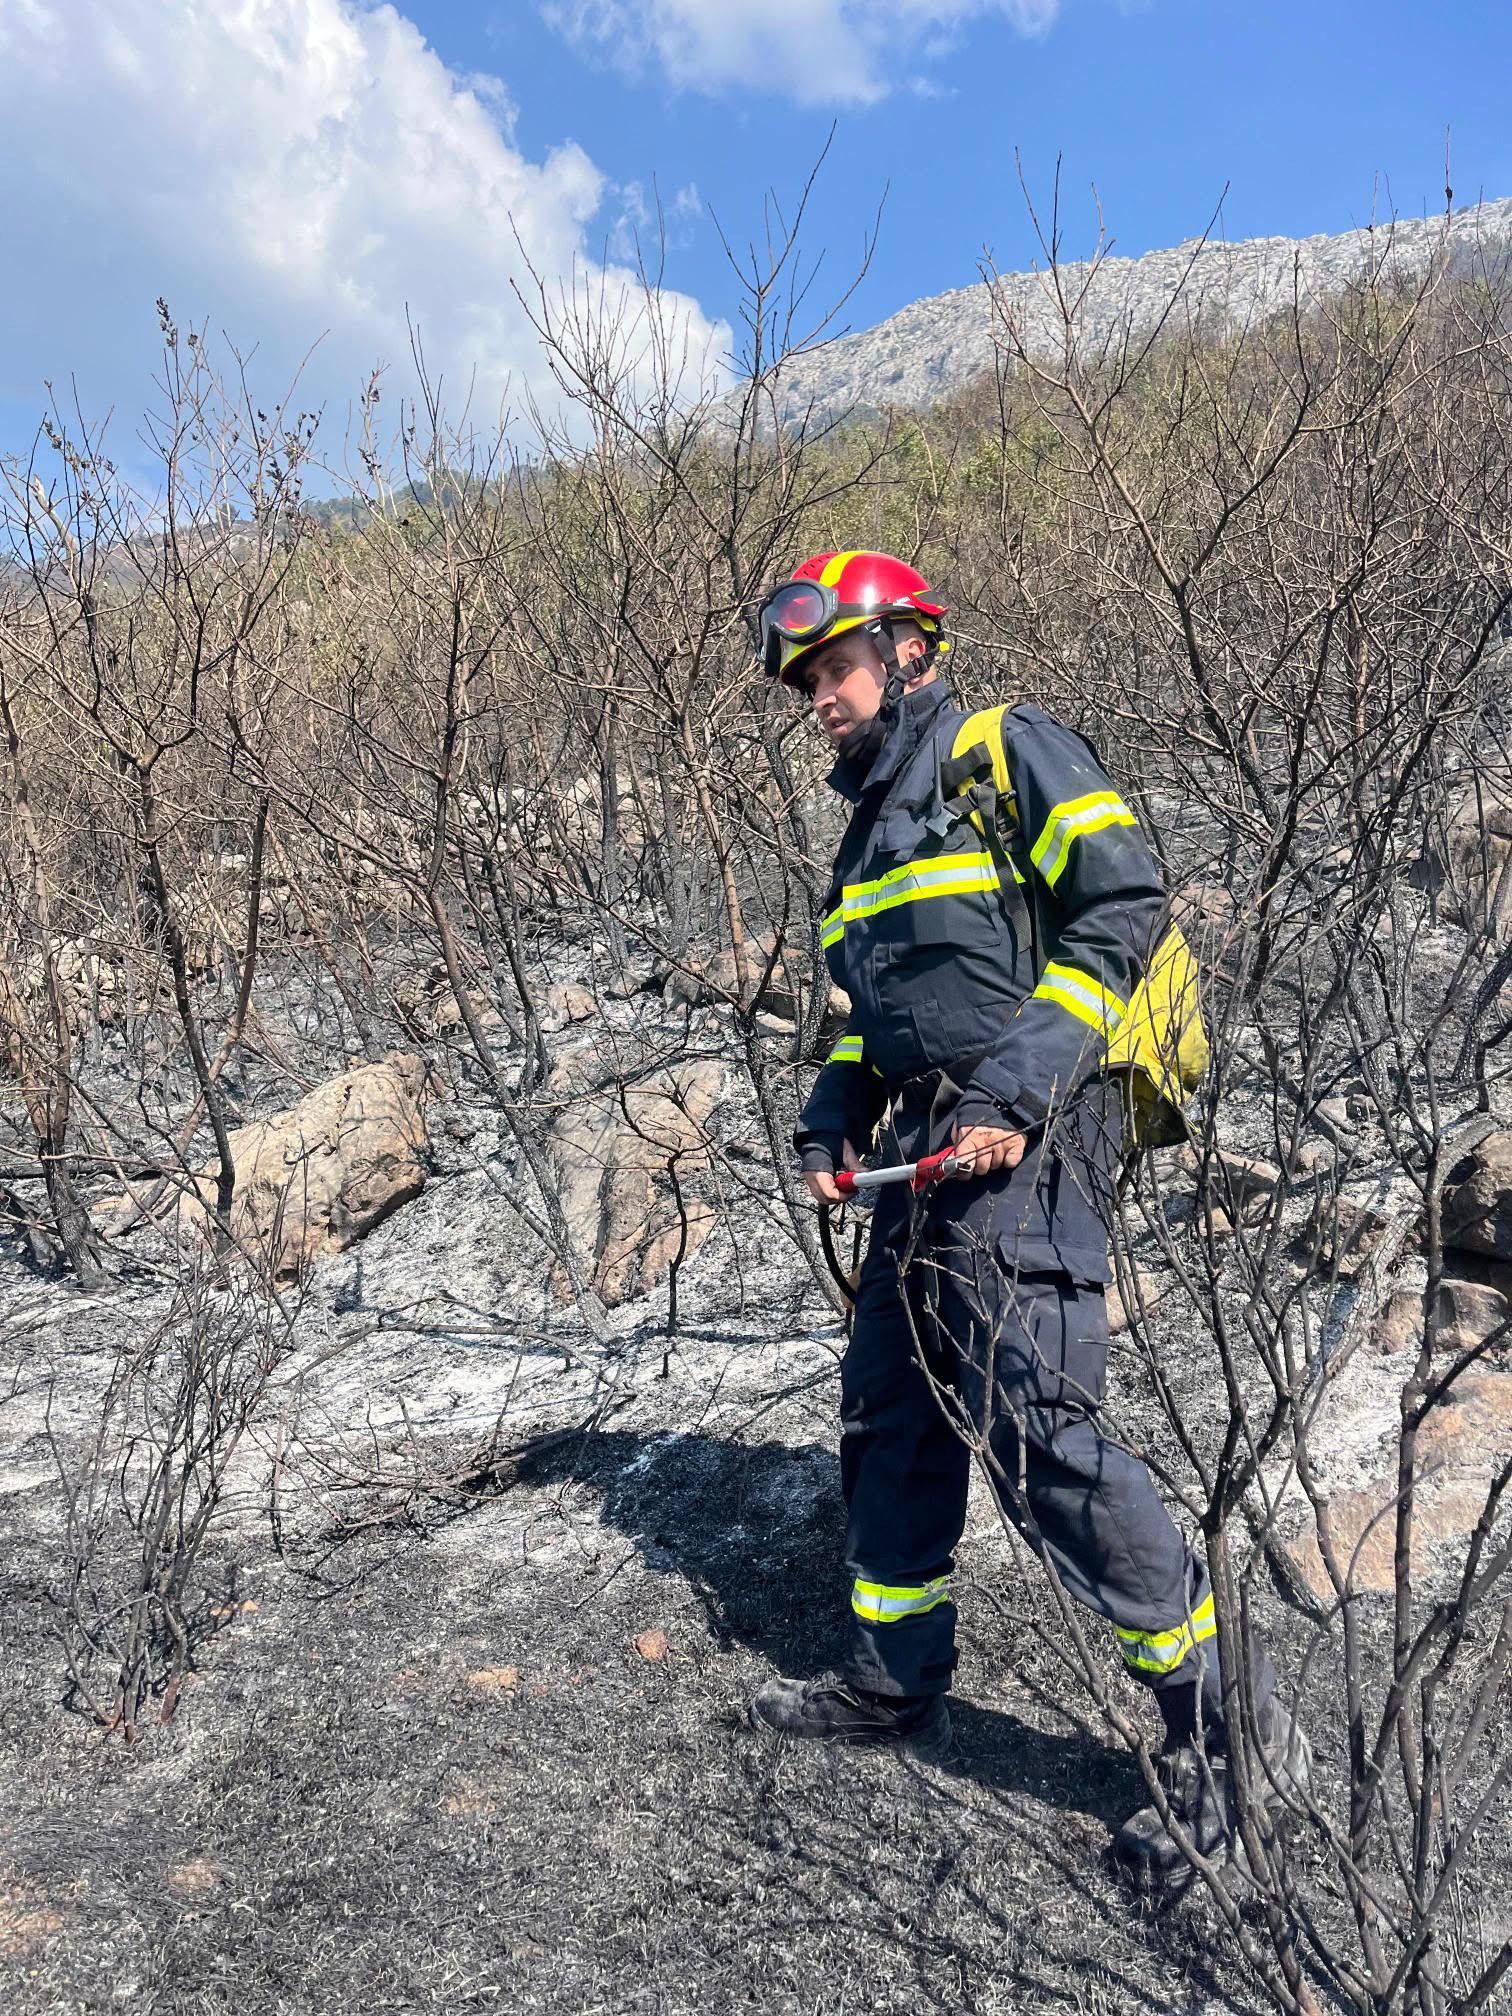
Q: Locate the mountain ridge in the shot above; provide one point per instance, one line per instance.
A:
(938, 345)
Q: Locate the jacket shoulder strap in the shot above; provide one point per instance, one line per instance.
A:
(984, 729)
(979, 767)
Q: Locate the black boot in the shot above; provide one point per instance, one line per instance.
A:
(1200, 1792)
(830, 1712)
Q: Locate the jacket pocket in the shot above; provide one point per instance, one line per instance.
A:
(941, 895)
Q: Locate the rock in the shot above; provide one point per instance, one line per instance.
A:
(702, 977)
(700, 980)
(837, 1013)
(91, 984)
(1468, 1312)
(494, 1679)
(653, 1645)
(1145, 1290)
(1242, 1184)
(1470, 860)
(1341, 1235)
(448, 1016)
(1316, 1157)
(565, 1002)
(194, 1879)
(1204, 910)
(1459, 1448)
(1399, 1327)
(314, 1179)
(611, 1161)
(1478, 1199)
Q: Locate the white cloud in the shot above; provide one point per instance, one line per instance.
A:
(646, 223)
(280, 168)
(815, 52)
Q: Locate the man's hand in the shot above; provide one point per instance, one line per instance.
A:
(821, 1184)
(981, 1150)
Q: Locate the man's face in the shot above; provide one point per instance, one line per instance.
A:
(845, 681)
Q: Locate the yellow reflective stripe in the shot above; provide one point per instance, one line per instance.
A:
(846, 1051)
(937, 875)
(834, 568)
(887, 1603)
(1074, 820)
(919, 889)
(1162, 1651)
(1083, 995)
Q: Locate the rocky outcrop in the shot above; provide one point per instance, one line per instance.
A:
(1468, 1311)
(314, 1179)
(1241, 1187)
(621, 1154)
(1342, 1235)
(90, 982)
(566, 1002)
(938, 346)
(703, 976)
(1459, 1448)
(1478, 1200)
(1470, 862)
(1134, 1297)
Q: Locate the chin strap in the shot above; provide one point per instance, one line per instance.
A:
(881, 634)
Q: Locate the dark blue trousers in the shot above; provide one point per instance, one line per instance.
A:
(1018, 1357)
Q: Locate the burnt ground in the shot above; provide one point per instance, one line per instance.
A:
(485, 1750)
(439, 1763)
(440, 1774)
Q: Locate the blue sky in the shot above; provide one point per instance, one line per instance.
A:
(1310, 113)
(288, 170)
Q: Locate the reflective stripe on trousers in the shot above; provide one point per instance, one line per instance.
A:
(1163, 1651)
(890, 1603)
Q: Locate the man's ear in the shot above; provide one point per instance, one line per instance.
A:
(910, 651)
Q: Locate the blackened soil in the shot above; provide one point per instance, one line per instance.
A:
(437, 1771)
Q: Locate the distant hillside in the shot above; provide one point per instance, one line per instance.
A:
(936, 346)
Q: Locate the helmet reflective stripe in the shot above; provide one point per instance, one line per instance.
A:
(868, 587)
(836, 565)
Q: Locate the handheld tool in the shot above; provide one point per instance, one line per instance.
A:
(918, 1175)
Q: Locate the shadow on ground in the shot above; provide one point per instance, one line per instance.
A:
(756, 1531)
(453, 1781)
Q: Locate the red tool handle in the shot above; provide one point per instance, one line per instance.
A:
(918, 1175)
(932, 1166)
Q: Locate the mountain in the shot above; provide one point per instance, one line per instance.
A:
(936, 346)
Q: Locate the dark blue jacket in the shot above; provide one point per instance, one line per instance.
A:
(941, 973)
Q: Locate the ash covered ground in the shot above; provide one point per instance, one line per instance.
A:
(466, 1733)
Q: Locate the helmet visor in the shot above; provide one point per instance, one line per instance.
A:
(798, 612)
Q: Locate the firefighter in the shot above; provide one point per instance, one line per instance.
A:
(980, 1308)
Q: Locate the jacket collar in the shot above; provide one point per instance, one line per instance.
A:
(916, 714)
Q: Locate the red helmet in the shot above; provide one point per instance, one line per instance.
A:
(836, 592)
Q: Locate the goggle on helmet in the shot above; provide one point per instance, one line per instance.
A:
(833, 593)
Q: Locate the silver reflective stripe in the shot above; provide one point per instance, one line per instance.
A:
(889, 1603)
